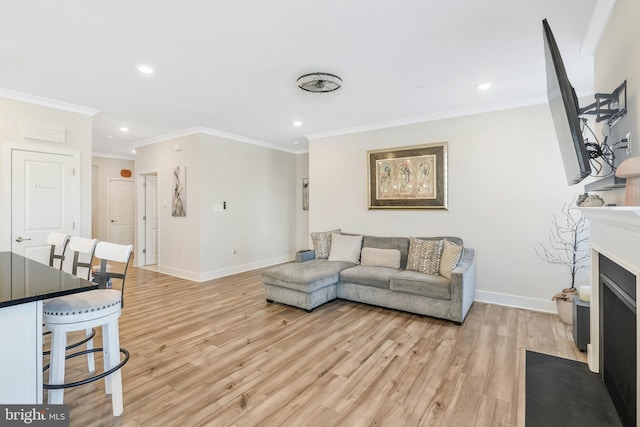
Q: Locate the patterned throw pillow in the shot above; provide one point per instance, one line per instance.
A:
(322, 243)
(345, 248)
(451, 254)
(424, 256)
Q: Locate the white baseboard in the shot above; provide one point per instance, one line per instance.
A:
(527, 303)
(228, 271)
(535, 304)
(223, 272)
(176, 272)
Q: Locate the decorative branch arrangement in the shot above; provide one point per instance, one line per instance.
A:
(568, 246)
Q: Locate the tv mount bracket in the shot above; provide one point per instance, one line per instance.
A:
(608, 106)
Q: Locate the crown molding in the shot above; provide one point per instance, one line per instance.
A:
(113, 156)
(213, 132)
(46, 102)
(430, 118)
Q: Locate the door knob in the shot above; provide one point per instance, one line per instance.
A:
(114, 220)
(20, 239)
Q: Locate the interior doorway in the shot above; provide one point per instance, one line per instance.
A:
(151, 219)
(148, 251)
(95, 197)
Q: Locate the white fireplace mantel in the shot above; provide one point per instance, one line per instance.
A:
(614, 233)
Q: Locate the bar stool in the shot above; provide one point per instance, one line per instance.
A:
(101, 307)
(81, 246)
(57, 240)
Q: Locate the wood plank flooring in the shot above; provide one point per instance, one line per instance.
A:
(216, 354)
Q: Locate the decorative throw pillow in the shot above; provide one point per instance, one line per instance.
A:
(424, 255)
(345, 248)
(322, 243)
(451, 254)
(376, 257)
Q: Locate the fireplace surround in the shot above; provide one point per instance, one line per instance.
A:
(615, 246)
(618, 332)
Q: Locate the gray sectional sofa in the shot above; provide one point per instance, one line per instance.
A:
(312, 283)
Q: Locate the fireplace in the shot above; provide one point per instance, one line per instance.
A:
(615, 278)
(618, 333)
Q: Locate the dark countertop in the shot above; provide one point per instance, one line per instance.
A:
(23, 280)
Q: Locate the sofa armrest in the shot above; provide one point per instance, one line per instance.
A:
(463, 283)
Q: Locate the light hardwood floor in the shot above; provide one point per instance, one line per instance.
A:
(215, 353)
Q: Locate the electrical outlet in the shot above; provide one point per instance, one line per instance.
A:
(628, 137)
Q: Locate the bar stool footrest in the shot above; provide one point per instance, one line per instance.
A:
(92, 378)
(74, 345)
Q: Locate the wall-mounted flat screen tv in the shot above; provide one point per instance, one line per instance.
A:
(564, 110)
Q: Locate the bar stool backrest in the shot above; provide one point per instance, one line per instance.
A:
(82, 247)
(57, 241)
(116, 253)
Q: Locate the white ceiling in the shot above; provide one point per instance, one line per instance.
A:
(231, 66)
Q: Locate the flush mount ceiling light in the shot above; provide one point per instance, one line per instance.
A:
(319, 82)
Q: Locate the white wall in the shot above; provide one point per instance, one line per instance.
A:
(108, 168)
(506, 180)
(13, 115)
(258, 185)
(617, 57)
(179, 237)
(302, 216)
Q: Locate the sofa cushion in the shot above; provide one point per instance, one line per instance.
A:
(376, 257)
(399, 243)
(430, 285)
(305, 276)
(451, 254)
(424, 256)
(370, 276)
(322, 243)
(345, 248)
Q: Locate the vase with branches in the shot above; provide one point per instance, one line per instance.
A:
(568, 246)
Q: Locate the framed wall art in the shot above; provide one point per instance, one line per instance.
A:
(179, 200)
(305, 194)
(408, 177)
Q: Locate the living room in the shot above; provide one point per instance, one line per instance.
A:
(505, 183)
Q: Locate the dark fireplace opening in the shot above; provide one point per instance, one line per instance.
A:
(618, 337)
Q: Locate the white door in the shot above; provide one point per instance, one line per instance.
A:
(151, 219)
(121, 211)
(95, 197)
(42, 200)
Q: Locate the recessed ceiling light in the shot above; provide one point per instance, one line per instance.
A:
(124, 129)
(296, 142)
(484, 86)
(297, 123)
(133, 151)
(145, 69)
